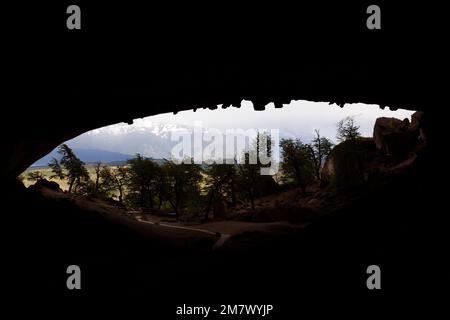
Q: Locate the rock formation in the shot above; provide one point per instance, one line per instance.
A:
(396, 138)
(394, 142)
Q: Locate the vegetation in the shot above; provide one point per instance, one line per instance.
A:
(347, 130)
(192, 191)
(182, 185)
(74, 170)
(297, 166)
(349, 156)
(35, 176)
(319, 150)
(141, 181)
(113, 180)
(221, 185)
(250, 180)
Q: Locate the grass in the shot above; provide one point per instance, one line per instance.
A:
(47, 173)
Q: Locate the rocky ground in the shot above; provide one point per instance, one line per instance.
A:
(166, 229)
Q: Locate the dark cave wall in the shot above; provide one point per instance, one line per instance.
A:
(50, 117)
(157, 60)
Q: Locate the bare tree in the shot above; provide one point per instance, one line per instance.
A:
(319, 149)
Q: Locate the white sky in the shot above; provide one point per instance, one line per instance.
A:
(299, 118)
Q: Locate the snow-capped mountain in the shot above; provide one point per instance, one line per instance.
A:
(151, 136)
(150, 140)
(121, 141)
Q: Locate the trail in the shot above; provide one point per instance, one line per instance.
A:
(223, 236)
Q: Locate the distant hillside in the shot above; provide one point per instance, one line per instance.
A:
(122, 163)
(87, 156)
(153, 141)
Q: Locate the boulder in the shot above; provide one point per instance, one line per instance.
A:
(395, 137)
(44, 183)
(416, 127)
(327, 171)
(348, 162)
(416, 121)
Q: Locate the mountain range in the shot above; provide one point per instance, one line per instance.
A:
(120, 142)
(87, 156)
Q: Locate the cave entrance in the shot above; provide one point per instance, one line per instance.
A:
(149, 171)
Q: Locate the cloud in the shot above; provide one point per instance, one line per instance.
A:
(298, 119)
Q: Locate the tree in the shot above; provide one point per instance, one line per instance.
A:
(347, 130)
(162, 185)
(114, 179)
(183, 182)
(56, 169)
(97, 168)
(319, 149)
(297, 166)
(35, 176)
(220, 184)
(141, 179)
(76, 173)
(250, 179)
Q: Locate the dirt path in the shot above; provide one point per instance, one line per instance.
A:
(224, 230)
(169, 231)
(223, 237)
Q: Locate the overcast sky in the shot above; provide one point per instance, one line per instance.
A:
(299, 118)
(151, 136)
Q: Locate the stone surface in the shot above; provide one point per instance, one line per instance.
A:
(396, 138)
(44, 183)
